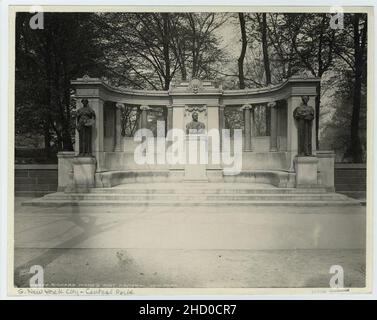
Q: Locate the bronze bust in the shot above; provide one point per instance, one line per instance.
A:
(85, 120)
(304, 115)
(195, 126)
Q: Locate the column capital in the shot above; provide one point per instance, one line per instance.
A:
(272, 104)
(169, 106)
(119, 105)
(246, 107)
(144, 107)
(222, 106)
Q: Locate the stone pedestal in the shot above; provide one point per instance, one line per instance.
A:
(65, 169)
(326, 163)
(195, 173)
(84, 169)
(306, 172)
(196, 158)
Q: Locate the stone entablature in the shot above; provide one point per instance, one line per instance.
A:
(97, 88)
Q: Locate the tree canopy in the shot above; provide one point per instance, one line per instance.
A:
(150, 50)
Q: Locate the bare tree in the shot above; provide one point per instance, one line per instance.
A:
(241, 75)
(351, 49)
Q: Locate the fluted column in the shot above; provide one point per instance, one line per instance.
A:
(169, 119)
(268, 120)
(274, 124)
(247, 126)
(252, 127)
(97, 105)
(118, 127)
(144, 117)
(221, 123)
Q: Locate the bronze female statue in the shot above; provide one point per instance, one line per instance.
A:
(304, 115)
(86, 118)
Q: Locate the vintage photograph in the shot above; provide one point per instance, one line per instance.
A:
(188, 149)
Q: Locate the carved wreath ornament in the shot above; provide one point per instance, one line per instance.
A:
(190, 109)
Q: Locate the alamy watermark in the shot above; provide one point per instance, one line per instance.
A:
(179, 148)
(37, 20)
(337, 280)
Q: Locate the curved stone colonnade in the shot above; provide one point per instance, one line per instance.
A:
(270, 158)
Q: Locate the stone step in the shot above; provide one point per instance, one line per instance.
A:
(217, 203)
(195, 194)
(196, 197)
(351, 187)
(195, 191)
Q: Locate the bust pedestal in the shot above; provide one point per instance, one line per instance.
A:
(196, 158)
(306, 172)
(84, 169)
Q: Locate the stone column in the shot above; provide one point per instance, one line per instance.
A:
(77, 135)
(273, 126)
(221, 123)
(118, 127)
(98, 134)
(268, 120)
(292, 138)
(169, 124)
(252, 127)
(144, 116)
(248, 126)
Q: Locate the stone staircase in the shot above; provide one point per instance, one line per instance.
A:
(195, 194)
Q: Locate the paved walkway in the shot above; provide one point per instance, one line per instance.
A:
(190, 247)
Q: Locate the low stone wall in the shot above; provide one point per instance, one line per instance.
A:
(351, 179)
(40, 179)
(35, 179)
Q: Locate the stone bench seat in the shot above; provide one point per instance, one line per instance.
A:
(277, 178)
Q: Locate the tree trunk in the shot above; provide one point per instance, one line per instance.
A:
(355, 150)
(266, 63)
(317, 113)
(266, 59)
(166, 36)
(355, 143)
(241, 59)
(47, 139)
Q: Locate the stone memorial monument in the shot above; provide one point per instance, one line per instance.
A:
(285, 157)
